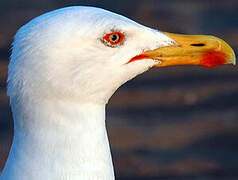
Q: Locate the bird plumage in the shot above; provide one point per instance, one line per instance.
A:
(60, 54)
(61, 76)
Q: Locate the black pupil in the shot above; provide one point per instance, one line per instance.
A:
(115, 37)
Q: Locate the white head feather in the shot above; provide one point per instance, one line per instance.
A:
(61, 75)
(61, 55)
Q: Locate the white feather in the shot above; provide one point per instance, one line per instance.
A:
(61, 75)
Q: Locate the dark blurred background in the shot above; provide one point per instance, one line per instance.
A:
(169, 123)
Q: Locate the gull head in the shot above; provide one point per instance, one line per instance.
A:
(84, 54)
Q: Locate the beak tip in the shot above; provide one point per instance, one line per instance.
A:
(233, 58)
(233, 62)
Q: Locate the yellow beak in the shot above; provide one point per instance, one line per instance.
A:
(202, 50)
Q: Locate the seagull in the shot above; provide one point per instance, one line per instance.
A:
(64, 67)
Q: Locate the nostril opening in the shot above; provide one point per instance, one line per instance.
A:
(198, 45)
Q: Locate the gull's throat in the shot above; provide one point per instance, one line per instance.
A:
(59, 141)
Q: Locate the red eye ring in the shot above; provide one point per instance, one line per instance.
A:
(114, 38)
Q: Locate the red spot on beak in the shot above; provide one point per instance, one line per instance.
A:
(138, 57)
(213, 59)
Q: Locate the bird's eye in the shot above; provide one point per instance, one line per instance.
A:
(113, 38)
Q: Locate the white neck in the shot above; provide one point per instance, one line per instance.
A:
(59, 140)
